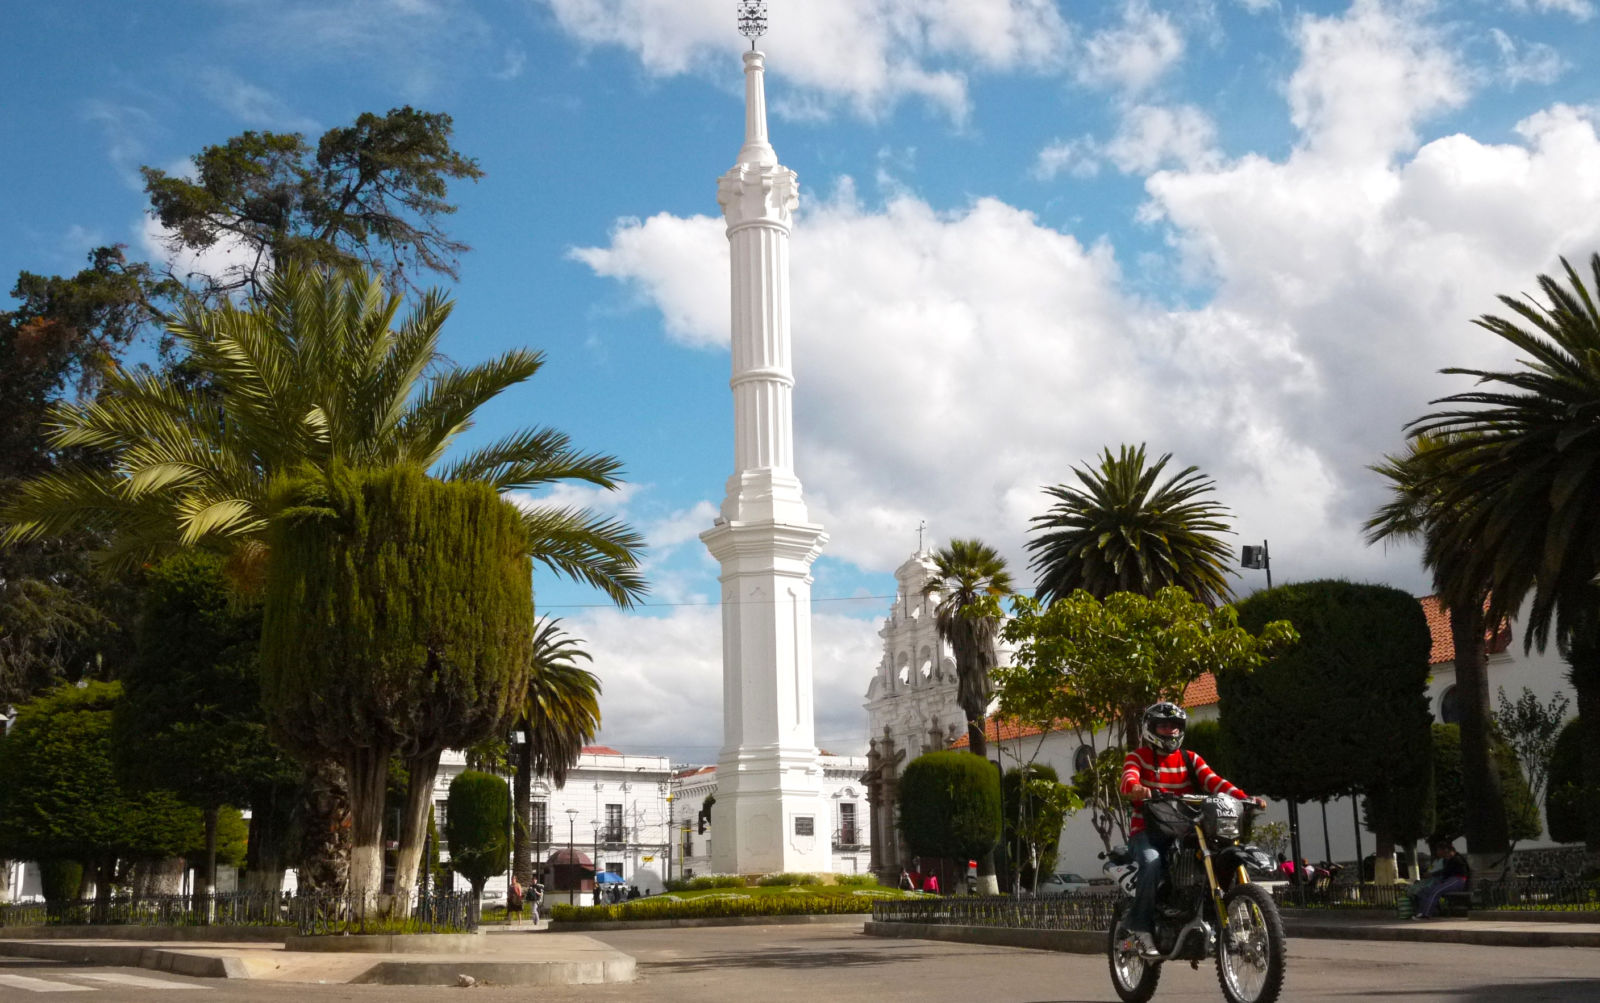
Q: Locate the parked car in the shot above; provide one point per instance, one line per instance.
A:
(1063, 882)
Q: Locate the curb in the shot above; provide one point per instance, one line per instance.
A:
(1067, 941)
(668, 924)
(210, 934)
(129, 956)
(1422, 933)
(388, 943)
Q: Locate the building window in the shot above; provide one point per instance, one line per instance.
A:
(539, 825)
(439, 816)
(1449, 706)
(805, 825)
(688, 846)
(847, 824)
(1082, 759)
(613, 830)
(615, 867)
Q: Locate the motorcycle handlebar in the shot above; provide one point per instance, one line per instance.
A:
(1198, 799)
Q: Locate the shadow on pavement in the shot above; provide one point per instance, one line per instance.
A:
(1526, 991)
(794, 958)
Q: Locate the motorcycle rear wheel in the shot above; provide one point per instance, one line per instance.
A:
(1132, 976)
(1251, 950)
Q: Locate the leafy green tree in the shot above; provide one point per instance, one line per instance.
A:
(1564, 805)
(560, 713)
(60, 798)
(1523, 466)
(1450, 797)
(970, 578)
(1093, 666)
(1034, 806)
(60, 619)
(371, 194)
(1416, 511)
(190, 719)
(1345, 709)
(1122, 532)
(475, 827)
(1530, 728)
(398, 621)
(950, 806)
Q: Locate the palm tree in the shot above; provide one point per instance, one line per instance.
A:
(1413, 512)
(971, 579)
(1121, 532)
(315, 376)
(1523, 468)
(560, 713)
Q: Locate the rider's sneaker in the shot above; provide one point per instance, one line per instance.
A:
(1141, 942)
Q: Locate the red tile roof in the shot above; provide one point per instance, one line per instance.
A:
(600, 750)
(1444, 646)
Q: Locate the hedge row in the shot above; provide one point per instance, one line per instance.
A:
(715, 907)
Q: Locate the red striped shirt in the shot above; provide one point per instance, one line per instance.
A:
(1169, 775)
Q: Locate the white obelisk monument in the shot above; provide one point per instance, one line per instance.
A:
(769, 814)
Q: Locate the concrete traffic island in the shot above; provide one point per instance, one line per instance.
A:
(513, 957)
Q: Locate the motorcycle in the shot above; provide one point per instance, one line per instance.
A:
(1205, 906)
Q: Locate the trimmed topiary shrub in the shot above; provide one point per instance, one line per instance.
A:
(475, 826)
(856, 880)
(950, 805)
(787, 878)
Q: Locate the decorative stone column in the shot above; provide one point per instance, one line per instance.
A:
(769, 814)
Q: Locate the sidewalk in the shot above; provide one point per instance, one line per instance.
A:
(517, 956)
(1483, 928)
(1307, 923)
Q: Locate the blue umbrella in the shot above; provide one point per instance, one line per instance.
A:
(607, 878)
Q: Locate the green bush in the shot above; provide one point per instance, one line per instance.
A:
(1522, 812)
(715, 907)
(856, 880)
(705, 881)
(60, 879)
(787, 878)
(950, 805)
(1563, 809)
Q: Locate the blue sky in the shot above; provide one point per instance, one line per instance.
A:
(1242, 231)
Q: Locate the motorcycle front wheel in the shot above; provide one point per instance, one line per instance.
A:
(1132, 976)
(1250, 952)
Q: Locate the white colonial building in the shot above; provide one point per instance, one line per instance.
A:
(612, 814)
(844, 831)
(912, 697)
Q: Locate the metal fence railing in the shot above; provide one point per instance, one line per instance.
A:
(224, 909)
(440, 912)
(433, 912)
(1073, 911)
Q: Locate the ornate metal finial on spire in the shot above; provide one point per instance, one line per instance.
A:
(752, 19)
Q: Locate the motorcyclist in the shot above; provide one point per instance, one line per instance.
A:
(1159, 766)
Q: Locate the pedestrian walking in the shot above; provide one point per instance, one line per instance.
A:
(535, 897)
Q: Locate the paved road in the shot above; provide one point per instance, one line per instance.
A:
(820, 964)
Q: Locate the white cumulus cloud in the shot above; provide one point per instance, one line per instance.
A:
(867, 57)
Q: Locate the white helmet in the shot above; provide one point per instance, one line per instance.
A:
(1165, 712)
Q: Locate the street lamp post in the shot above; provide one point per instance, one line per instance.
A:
(670, 831)
(1257, 559)
(572, 814)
